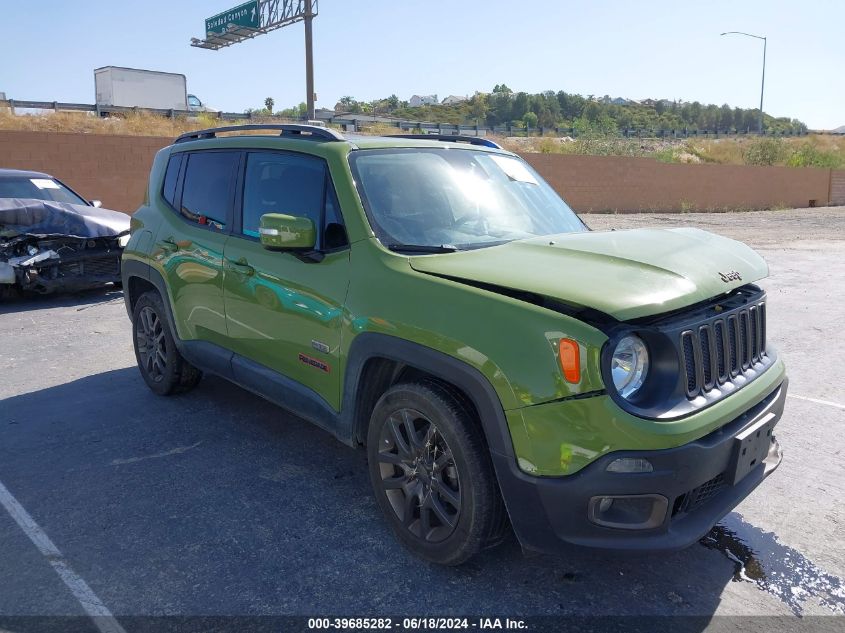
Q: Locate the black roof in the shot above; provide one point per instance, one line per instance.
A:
(8, 174)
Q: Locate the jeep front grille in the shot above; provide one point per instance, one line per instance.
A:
(719, 350)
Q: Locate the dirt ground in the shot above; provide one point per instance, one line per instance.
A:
(780, 230)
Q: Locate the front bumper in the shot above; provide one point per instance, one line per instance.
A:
(699, 481)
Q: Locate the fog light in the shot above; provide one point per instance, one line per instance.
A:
(628, 512)
(630, 465)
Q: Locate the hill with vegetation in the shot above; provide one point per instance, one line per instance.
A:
(587, 114)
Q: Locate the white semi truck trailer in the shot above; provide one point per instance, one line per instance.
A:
(133, 87)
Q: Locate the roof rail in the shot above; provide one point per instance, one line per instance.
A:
(456, 138)
(287, 129)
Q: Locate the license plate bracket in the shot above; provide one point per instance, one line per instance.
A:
(751, 445)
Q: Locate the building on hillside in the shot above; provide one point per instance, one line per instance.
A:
(619, 101)
(453, 100)
(420, 100)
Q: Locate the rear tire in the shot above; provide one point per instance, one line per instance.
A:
(431, 473)
(161, 365)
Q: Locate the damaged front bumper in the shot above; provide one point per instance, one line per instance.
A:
(47, 246)
(61, 263)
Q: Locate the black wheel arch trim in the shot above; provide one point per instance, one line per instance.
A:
(370, 345)
(133, 268)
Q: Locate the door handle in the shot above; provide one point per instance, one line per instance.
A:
(169, 245)
(240, 266)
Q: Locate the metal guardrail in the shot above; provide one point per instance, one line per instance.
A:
(354, 122)
(104, 109)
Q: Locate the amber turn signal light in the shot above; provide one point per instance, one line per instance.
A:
(570, 359)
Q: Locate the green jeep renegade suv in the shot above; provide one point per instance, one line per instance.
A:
(436, 302)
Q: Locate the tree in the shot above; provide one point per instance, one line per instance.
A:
(499, 107)
(739, 118)
(750, 120)
(726, 117)
(571, 106)
(392, 102)
(268, 104)
(695, 113)
(660, 107)
(520, 106)
(591, 112)
(551, 104)
(530, 120)
(546, 118)
(478, 107)
(710, 117)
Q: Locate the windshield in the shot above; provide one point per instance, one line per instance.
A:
(38, 189)
(445, 199)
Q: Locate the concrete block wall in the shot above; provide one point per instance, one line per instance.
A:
(105, 167)
(620, 183)
(115, 169)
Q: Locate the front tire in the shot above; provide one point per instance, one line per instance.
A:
(431, 473)
(162, 366)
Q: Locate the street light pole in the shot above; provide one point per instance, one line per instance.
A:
(763, 82)
(309, 62)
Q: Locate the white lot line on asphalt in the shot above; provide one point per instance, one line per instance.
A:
(91, 604)
(817, 401)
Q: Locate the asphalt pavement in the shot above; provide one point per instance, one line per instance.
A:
(218, 503)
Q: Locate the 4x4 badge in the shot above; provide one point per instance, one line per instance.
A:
(730, 276)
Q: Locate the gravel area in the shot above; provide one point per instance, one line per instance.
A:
(760, 229)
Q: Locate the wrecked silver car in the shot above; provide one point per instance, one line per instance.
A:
(48, 245)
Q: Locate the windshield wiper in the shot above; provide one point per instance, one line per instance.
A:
(476, 245)
(421, 248)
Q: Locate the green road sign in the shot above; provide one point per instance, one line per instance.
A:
(246, 14)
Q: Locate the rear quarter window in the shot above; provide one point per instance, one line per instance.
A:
(171, 175)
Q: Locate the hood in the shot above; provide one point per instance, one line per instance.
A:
(24, 216)
(626, 274)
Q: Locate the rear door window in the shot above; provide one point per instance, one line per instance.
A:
(208, 189)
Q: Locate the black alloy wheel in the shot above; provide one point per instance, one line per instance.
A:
(151, 344)
(432, 474)
(419, 475)
(162, 366)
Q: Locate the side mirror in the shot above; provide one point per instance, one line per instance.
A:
(279, 232)
(96, 203)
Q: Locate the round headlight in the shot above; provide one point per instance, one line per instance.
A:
(629, 365)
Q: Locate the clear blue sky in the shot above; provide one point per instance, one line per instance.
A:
(372, 48)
